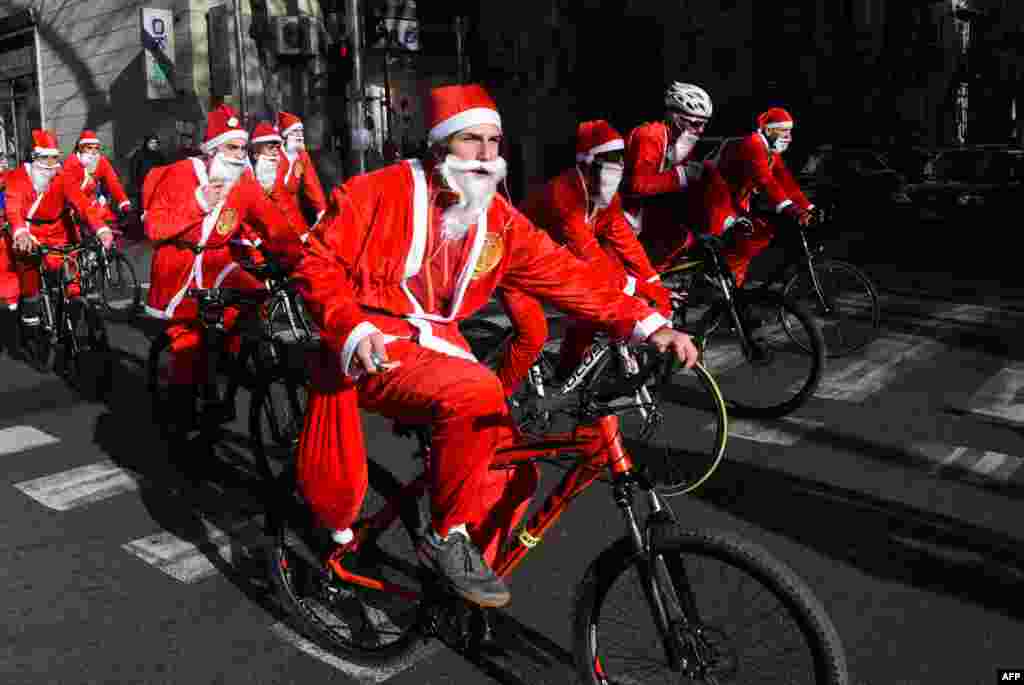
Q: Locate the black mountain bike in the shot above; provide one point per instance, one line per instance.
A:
(765, 350)
(840, 296)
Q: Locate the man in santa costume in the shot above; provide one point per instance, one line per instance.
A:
(297, 170)
(39, 199)
(268, 163)
(198, 207)
(581, 209)
(751, 166)
(89, 168)
(405, 253)
(658, 172)
(9, 288)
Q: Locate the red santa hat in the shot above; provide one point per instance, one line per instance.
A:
(287, 123)
(776, 117)
(265, 132)
(222, 125)
(595, 137)
(451, 109)
(88, 138)
(44, 143)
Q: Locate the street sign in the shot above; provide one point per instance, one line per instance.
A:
(158, 49)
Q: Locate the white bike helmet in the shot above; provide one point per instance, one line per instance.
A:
(688, 99)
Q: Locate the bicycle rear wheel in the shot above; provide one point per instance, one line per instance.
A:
(847, 310)
(365, 627)
(737, 614)
(762, 372)
(89, 365)
(120, 290)
(39, 342)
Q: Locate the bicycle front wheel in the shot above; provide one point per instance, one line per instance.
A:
(120, 290)
(732, 613)
(87, 352)
(762, 372)
(846, 310)
(676, 427)
(276, 413)
(366, 627)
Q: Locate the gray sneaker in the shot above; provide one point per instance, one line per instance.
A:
(460, 565)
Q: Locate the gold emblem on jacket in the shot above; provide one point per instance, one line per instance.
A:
(226, 222)
(490, 255)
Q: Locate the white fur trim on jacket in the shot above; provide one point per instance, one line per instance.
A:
(630, 288)
(615, 144)
(643, 329)
(782, 205)
(211, 145)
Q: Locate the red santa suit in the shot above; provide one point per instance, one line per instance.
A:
(194, 243)
(298, 175)
(749, 167)
(652, 189)
(46, 216)
(251, 241)
(381, 265)
(9, 288)
(600, 236)
(89, 183)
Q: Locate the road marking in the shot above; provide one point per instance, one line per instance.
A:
(1001, 395)
(770, 432)
(361, 674)
(187, 561)
(80, 486)
(875, 367)
(986, 464)
(21, 438)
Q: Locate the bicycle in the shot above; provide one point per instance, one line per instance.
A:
(368, 601)
(745, 331)
(72, 325)
(119, 289)
(843, 298)
(699, 407)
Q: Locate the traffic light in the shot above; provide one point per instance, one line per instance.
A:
(342, 66)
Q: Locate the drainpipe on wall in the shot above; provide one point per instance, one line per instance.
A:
(356, 112)
(243, 93)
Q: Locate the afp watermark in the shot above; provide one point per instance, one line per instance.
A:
(1010, 675)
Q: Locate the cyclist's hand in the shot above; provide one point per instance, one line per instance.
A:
(805, 217)
(666, 339)
(24, 243)
(106, 238)
(372, 355)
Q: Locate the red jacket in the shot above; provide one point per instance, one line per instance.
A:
(651, 186)
(749, 167)
(90, 183)
(354, 276)
(177, 212)
(47, 218)
(299, 178)
(603, 237)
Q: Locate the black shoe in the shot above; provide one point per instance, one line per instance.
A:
(460, 566)
(29, 310)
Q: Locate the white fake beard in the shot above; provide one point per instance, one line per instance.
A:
(266, 171)
(90, 160)
(684, 145)
(230, 170)
(42, 177)
(610, 176)
(476, 191)
(781, 144)
(294, 146)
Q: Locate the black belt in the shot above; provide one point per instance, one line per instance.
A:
(194, 248)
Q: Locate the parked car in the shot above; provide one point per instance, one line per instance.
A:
(969, 182)
(851, 179)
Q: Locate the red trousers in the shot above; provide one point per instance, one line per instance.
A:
(746, 248)
(464, 404)
(188, 354)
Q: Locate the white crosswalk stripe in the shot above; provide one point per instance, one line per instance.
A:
(80, 486)
(877, 365)
(786, 431)
(986, 464)
(187, 561)
(22, 438)
(1002, 396)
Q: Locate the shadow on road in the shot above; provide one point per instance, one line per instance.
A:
(883, 538)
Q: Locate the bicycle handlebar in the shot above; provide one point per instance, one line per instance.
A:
(659, 362)
(226, 296)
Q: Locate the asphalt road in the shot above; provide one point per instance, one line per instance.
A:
(895, 493)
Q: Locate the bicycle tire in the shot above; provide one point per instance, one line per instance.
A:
(823, 649)
(799, 288)
(88, 346)
(156, 382)
(276, 414)
(120, 290)
(785, 397)
(700, 411)
(297, 574)
(40, 342)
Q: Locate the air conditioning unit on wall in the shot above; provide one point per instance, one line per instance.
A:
(296, 35)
